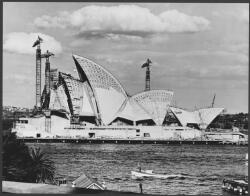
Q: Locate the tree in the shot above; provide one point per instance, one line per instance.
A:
(23, 164)
(41, 169)
(15, 159)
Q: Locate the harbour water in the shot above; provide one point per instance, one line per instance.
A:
(203, 166)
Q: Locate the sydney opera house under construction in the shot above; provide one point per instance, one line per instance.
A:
(95, 105)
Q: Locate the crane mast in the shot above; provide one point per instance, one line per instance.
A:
(147, 79)
(213, 100)
(47, 55)
(38, 71)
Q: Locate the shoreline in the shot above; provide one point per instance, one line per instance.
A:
(11, 187)
(131, 141)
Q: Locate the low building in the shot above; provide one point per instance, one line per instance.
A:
(84, 181)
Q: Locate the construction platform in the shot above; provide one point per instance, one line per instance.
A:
(130, 141)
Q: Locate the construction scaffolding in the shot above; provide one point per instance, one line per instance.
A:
(47, 121)
(38, 77)
(147, 79)
(38, 71)
(47, 76)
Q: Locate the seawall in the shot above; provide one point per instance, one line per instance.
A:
(132, 141)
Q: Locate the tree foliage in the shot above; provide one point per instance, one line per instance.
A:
(23, 164)
(42, 169)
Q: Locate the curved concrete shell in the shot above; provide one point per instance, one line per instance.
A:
(132, 111)
(108, 92)
(202, 117)
(155, 103)
(184, 116)
(207, 115)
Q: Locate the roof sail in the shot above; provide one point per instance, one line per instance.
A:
(202, 117)
(155, 103)
(107, 90)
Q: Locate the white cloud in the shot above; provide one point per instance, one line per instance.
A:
(123, 19)
(49, 21)
(117, 37)
(176, 21)
(113, 60)
(21, 43)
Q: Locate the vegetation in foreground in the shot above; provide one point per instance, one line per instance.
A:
(24, 164)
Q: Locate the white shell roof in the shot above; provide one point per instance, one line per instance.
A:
(202, 117)
(207, 115)
(184, 116)
(108, 92)
(155, 103)
(131, 110)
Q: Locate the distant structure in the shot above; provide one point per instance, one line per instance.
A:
(213, 101)
(147, 82)
(38, 71)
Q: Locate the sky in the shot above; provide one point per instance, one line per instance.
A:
(197, 49)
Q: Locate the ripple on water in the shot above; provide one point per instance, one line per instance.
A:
(202, 167)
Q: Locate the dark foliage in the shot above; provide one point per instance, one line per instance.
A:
(15, 159)
(23, 164)
(41, 169)
(227, 121)
(7, 123)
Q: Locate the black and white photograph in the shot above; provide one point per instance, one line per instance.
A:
(115, 98)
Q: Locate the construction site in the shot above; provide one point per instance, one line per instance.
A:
(95, 106)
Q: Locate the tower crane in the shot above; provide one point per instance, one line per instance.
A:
(38, 71)
(47, 55)
(147, 64)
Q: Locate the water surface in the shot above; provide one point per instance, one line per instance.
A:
(203, 166)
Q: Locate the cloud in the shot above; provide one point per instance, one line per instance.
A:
(176, 21)
(123, 19)
(21, 43)
(236, 52)
(240, 14)
(117, 37)
(49, 21)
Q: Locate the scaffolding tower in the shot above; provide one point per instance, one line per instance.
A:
(147, 79)
(38, 71)
(38, 76)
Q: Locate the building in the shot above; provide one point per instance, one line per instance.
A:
(95, 105)
(84, 181)
(200, 118)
